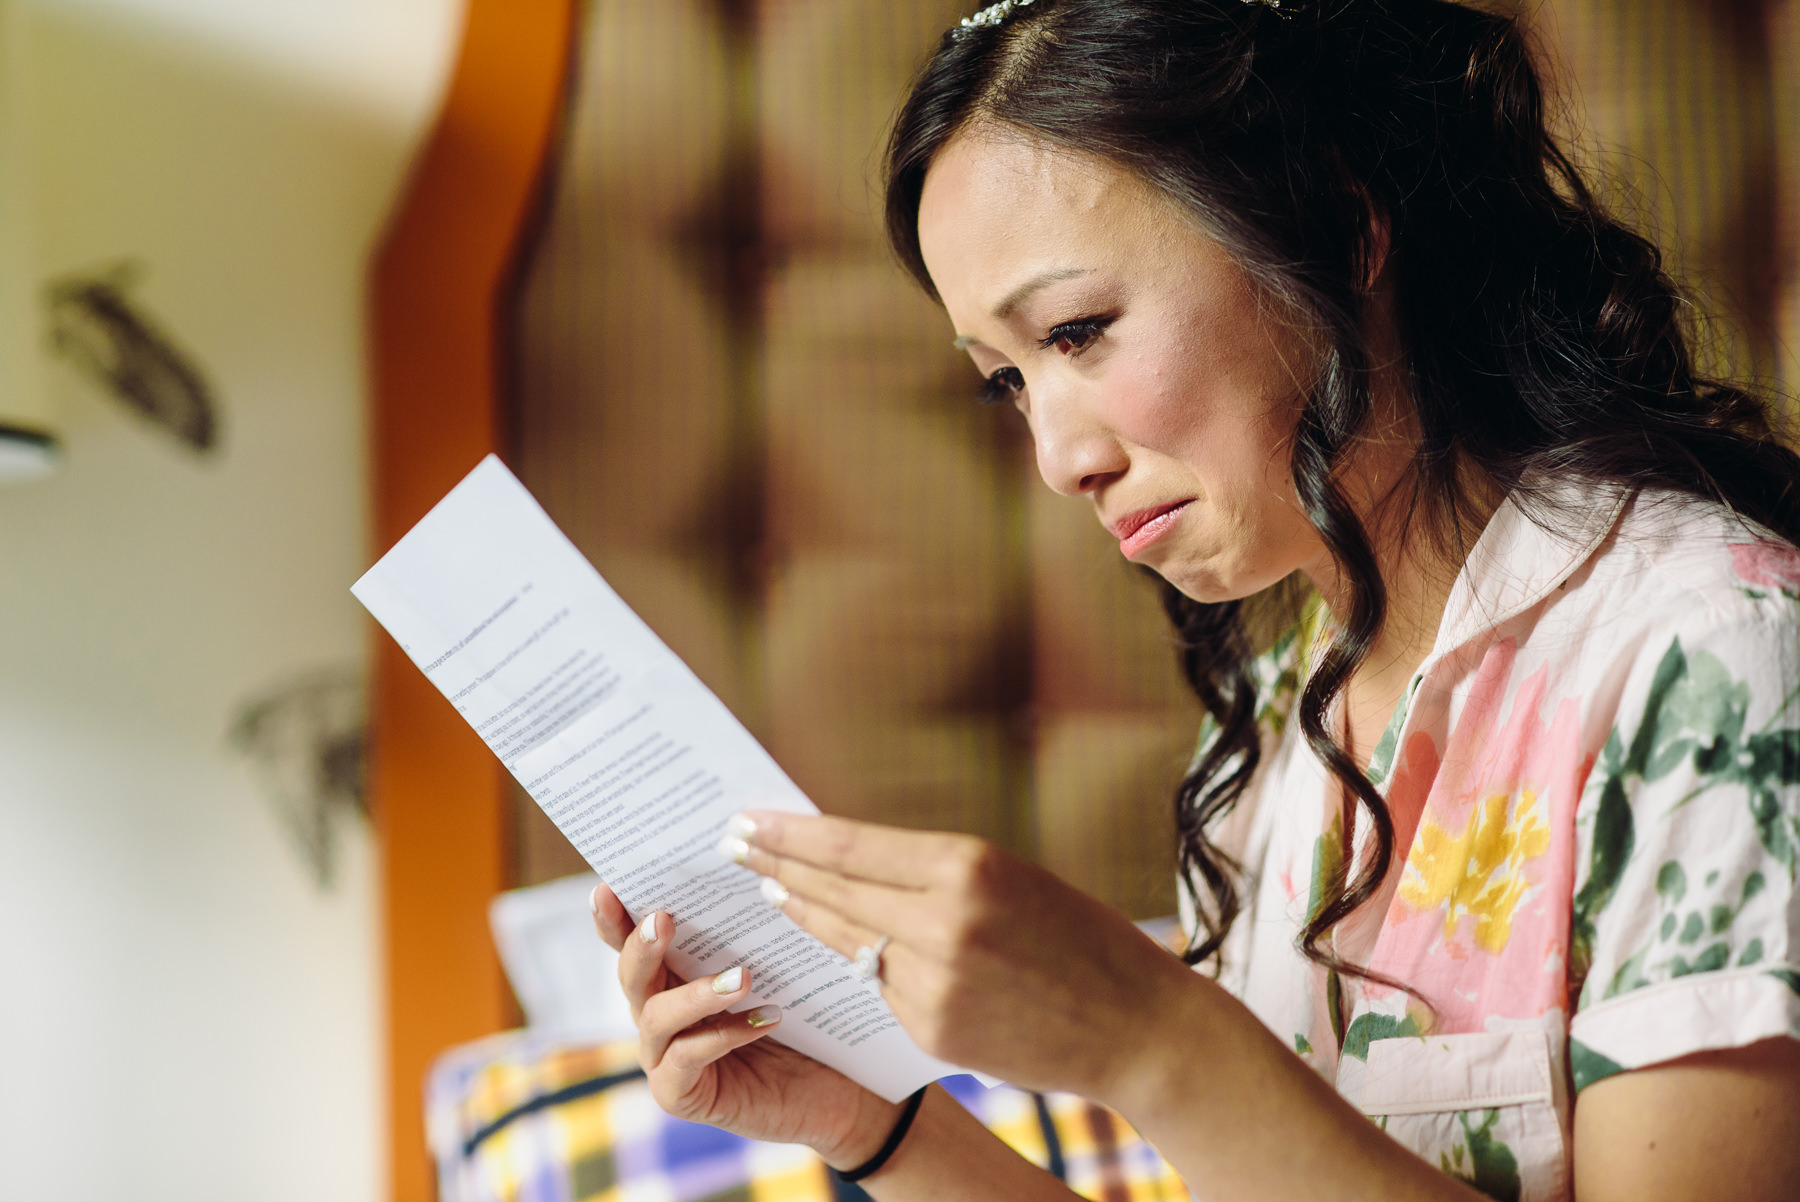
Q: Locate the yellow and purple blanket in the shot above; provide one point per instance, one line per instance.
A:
(525, 1117)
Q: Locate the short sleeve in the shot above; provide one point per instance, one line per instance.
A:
(1686, 917)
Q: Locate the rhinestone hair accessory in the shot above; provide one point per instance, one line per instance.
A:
(993, 14)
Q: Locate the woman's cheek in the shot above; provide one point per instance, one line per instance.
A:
(1150, 406)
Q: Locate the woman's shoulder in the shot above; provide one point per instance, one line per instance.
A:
(1674, 557)
(1688, 613)
(1687, 885)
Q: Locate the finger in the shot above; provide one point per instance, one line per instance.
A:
(691, 1051)
(867, 905)
(642, 972)
(610, 918)
(882, 854)
(669, 1013)
(837, 931)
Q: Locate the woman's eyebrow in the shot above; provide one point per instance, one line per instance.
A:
(1016, 297)
(1012, 300)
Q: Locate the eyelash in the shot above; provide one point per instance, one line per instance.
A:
(1087, 329)
(1002, 386)
(1078, 336)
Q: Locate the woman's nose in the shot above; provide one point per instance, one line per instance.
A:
(1075, 453)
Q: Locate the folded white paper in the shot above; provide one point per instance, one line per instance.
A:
(635, 760)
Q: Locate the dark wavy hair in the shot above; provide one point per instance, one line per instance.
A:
(1542, 340)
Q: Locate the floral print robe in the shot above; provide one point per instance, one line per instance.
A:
(1595, 785)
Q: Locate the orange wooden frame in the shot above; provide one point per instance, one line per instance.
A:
(438, 281)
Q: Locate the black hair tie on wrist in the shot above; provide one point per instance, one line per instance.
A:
(873, 1164)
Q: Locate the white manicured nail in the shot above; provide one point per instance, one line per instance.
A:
(594, 901)
(647, 928)
(740, 826)
(735, 850)
(774, 892)
(764, 1016)
(729, 981)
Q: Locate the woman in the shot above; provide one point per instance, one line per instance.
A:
(1492, 603)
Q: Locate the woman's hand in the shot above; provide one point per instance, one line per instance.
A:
(993, 963)
(707, 1065)
(997, 965)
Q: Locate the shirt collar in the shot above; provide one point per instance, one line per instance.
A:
(1517, 561)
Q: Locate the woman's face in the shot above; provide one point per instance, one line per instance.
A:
(1154, 382)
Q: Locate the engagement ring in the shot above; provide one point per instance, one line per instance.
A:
(867, 961)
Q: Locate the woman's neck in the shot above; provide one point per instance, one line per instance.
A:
(1419, 561)
(1418, 588)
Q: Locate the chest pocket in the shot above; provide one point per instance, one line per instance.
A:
(1486, 1108)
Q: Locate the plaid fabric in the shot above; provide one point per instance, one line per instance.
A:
(524, 1117)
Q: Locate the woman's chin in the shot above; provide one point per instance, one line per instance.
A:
(1204, 587)
(1209, 585)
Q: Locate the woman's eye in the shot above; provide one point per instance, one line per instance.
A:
(1073, 336)
(1001, 387)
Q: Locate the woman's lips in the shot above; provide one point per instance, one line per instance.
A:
(1135, 531)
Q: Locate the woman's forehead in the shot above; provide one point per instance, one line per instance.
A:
(990, 162)
(1011, 201)
(1001, 207)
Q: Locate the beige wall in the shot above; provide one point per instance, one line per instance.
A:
(183, 1014)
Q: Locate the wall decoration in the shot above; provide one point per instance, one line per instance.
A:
(308, 738)
(110, 338)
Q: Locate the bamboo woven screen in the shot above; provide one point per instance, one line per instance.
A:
(1679, 111)
(758, 431)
